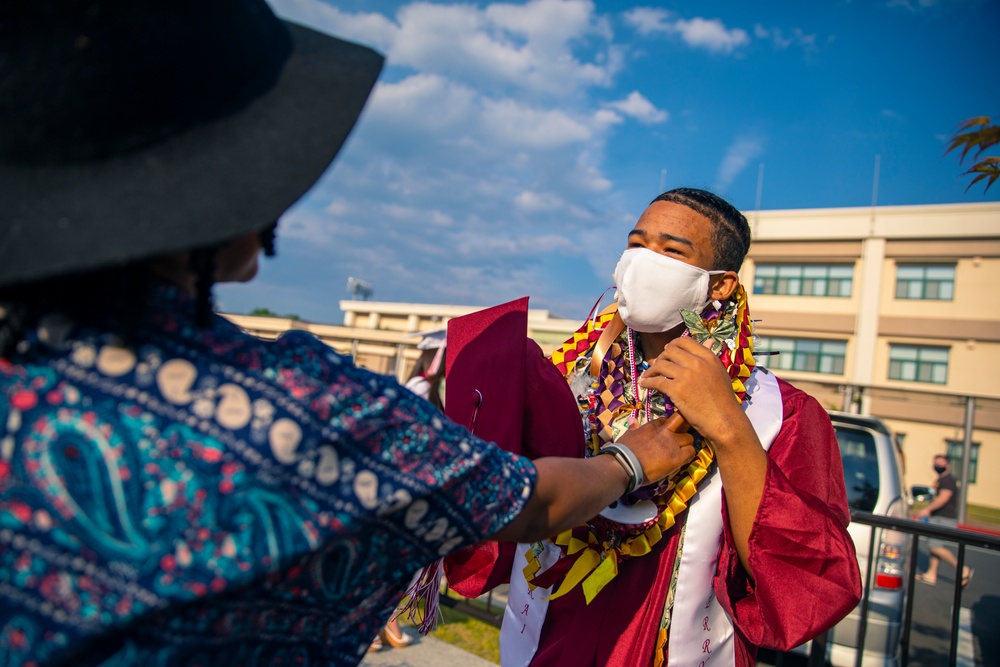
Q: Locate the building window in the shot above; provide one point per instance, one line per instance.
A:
(955, 448)
(803, 280)
(803, 354)
(935, 283)
(918, 364)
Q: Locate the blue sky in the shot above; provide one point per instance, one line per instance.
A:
(509, 146)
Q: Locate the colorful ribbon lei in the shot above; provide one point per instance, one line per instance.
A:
(592, 552)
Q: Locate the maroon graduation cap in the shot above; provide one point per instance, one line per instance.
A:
(500, 386)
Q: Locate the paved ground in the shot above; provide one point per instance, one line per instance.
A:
(932, 612)
(979, 641)
(424, 652)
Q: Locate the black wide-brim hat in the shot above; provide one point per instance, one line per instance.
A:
(133, 129)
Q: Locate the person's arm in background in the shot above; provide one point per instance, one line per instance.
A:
(941, 499)
(569, 491)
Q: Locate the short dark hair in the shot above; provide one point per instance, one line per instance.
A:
(730, 230)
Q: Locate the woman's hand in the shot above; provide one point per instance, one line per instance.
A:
(659, 450)
(571, 491)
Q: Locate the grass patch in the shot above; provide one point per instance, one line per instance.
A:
(469, 634)
(984, 515)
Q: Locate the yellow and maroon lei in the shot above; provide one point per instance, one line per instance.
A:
(591, 552)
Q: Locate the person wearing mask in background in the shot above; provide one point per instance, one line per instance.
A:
(174, 491)
(943, 511)
(427, 378)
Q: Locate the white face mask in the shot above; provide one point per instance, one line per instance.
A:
(652, 288)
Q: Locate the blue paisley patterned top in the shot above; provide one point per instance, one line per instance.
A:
(203, 497)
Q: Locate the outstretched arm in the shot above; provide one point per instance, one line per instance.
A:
(570, 491)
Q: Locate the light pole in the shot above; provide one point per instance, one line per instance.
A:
(359, 289)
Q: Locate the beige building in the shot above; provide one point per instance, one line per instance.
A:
(890, 311)
(383, 337)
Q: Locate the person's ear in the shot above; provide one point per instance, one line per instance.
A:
(722, 286)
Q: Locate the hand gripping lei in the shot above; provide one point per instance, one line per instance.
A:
(592, 552)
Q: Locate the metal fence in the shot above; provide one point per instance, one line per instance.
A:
(490, 608)
(918, 530)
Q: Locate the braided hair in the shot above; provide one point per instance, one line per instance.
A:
(730, 230)
(116, 298)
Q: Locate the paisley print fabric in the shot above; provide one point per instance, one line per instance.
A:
(203, 497)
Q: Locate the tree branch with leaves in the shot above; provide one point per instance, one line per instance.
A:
(975, 136)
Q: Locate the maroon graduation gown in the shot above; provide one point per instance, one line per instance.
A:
(806, 574)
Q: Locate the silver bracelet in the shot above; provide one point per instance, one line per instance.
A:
(628, 461)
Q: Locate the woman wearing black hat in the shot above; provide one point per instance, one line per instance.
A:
(171, 489)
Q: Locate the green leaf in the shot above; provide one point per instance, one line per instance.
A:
(976, 135)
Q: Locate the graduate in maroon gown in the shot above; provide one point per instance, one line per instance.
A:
(744, 547)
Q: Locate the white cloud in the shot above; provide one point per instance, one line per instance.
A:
(638, 107)
(648, 20)
(912, 5)
(481, 146)
(521, 126)
(711, 34)
(422, 101)
(366, 28)
(547, 22)
(698, 32)
(523, 47)
(781, 41)
(538, 201)
(339, 206)
(737, 157)
(510, 247)
(607, 117)
(453, 38)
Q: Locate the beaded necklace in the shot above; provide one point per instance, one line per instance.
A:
(635, 371)
(635, 380)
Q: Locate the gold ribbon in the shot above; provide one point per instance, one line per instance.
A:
(597, 563)
(583, 339)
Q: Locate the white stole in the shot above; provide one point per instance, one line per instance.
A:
(525, 612)
(706, 632)
(707, 636)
